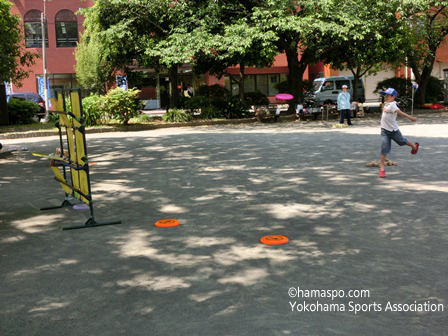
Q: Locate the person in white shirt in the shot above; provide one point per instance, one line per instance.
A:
(389, 128)
(344, 105)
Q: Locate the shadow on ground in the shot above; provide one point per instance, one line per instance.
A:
(229, 186)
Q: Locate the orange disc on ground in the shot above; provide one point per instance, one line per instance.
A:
(167, 223)
(274, 240)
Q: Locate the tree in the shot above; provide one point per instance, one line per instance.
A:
(13, 58)
(94, 69)
(379, 42)
(128, 29)
(426, 29)
(300, 27)
(251, 33)
(224, 35)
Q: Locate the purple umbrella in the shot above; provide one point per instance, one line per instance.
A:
(284, 96)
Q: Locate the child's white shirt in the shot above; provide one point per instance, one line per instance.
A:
(389, 116)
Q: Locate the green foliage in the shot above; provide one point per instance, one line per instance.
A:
(214, 92)
(283, 87)
(256, 98)
(215, 102)
(434, 91)
(13, 57)
(68, 104)
(404, 88)
(93, 67)
(197, 102)
(210, 112)
(53, 117)
(122, 105)
(402, 85)
(94, 110)
(234, 108)
(176, 115)
(144, 118)
(22, 112)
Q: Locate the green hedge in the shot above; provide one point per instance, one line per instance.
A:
(22, 112)
(176, 115)
(94, 110)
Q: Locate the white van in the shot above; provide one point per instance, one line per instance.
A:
(326, 90)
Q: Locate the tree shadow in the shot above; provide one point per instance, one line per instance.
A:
(210, 276)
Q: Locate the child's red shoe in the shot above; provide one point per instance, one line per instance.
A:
(382, 173)
(414, 151)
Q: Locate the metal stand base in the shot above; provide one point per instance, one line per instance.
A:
(90, 223)
(64, 204)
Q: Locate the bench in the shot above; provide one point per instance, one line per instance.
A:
(270, 112)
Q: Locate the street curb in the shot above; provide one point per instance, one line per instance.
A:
(136, 128)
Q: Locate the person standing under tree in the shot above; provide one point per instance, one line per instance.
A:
(344, 105)
(389, 128)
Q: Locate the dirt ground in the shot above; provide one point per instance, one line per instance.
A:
(376, 245)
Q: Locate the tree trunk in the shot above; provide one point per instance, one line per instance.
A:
(174, 94)
(4, 116)
(355, 84)
(295, 77)
(422, 78)
(241, 83)
(420, 95)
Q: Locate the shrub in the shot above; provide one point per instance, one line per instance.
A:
(256, 98)
(122, 105)
(22, 111)
(53, 117)
(434, 90)
(196, 103)
(214, 92)
(282, 87)
(402, 85)
(176, 115)
(234, 108)
(210, 112)
(94, 110)
(68, 104)
(146, 118)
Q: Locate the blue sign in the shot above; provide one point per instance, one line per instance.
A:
(41, 88)
(122, 82)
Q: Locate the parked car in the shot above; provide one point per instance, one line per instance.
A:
(29, 96)
(326, 90)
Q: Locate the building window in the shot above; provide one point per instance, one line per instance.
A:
(262, 83)
(66, 29)
(62, 82)
(33, 29)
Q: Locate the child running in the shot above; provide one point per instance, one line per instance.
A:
(389, 128)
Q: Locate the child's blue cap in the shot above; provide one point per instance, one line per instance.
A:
(390, 91)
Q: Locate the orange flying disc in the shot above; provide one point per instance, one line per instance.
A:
(274, 240)
(167, 223)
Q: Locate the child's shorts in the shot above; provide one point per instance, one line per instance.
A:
(387, 136)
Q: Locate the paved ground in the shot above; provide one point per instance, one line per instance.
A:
(229, 186)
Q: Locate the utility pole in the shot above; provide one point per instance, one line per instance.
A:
(44, 59)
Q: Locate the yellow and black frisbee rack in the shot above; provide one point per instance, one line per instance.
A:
(76, 160)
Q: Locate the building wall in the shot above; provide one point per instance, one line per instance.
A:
(371, 81)
(59, 60)
(438, 68)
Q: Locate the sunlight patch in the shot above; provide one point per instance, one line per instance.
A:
(246, 278)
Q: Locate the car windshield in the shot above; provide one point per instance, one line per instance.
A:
(317, 85)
